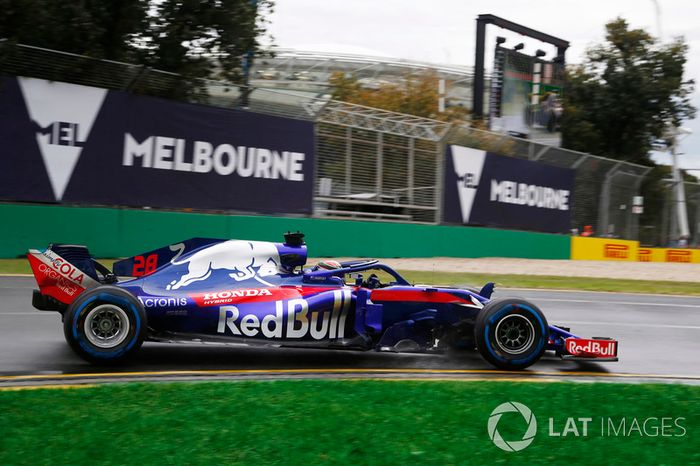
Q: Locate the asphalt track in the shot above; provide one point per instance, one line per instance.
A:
(659, 341)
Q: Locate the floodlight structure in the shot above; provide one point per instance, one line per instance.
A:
(673, 137)
(481, 22)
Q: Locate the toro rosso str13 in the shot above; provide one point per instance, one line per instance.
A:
(256, 292)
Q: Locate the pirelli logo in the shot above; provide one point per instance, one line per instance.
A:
(678, 255)
(616, 251)
(644, 255)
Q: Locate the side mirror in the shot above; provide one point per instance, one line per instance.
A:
(358, 279)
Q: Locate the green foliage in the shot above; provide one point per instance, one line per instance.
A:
(204, 39)
(99, 28)
(414, 94)
(198, 39)
(626, 93)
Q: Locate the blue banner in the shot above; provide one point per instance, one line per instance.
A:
(66, 143)
(482, 188)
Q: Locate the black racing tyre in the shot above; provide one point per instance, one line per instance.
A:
(105, 324)
(511, 333)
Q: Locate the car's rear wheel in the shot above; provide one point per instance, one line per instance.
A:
(511, 333)
(105, 324)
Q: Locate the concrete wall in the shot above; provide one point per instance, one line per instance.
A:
(112, 232)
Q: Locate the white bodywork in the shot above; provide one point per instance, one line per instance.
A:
(243, 259)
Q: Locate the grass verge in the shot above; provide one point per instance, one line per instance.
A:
(21, 266)
(348, 422)
(554, 282)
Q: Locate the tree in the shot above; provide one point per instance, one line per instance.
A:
(98, 28)
(626, 93)
(198, 39)
(207, 38)
(414, 94)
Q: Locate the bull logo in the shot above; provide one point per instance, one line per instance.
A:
(243, 259)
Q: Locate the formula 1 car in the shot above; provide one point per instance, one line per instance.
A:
(254, 292)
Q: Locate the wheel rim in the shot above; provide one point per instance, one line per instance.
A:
(106, 326)
(515, 334)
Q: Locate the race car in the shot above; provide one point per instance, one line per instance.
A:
(263, 293)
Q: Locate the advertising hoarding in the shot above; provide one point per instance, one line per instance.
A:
(75, 144)
(483, 188)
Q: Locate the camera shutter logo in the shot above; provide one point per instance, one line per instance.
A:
(512, 407)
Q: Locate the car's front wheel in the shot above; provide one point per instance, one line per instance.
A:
(511, 333)
(105, 324)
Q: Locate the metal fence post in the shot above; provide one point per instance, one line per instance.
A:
(604, 202)
(440, 178)
(635, 217)
(663, 234)
(411, 168)
(696, 237)
(348, 160)
(380, 163)
(632, 218)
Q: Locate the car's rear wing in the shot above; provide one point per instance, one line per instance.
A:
(63, 272)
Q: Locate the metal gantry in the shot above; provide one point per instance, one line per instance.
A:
(358, 116)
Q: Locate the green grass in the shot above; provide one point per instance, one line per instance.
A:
(340, 422)
(21, 266)
(554, 282)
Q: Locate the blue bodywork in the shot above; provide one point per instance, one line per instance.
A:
(263, 293)
(191, 295)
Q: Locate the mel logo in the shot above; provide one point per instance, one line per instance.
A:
(468, 165)
(61, 133)
(63, 115)
(469, 180)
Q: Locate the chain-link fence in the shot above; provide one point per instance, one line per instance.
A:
(52, 65)
(373, 164)
(692, 193)
(664, 230)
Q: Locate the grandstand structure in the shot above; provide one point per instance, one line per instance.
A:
(309, 73)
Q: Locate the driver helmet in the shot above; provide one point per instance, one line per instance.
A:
(328, 265)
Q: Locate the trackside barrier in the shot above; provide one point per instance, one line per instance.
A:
(599, 249)
(123, 232)
(668, 255)
(622, 250)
